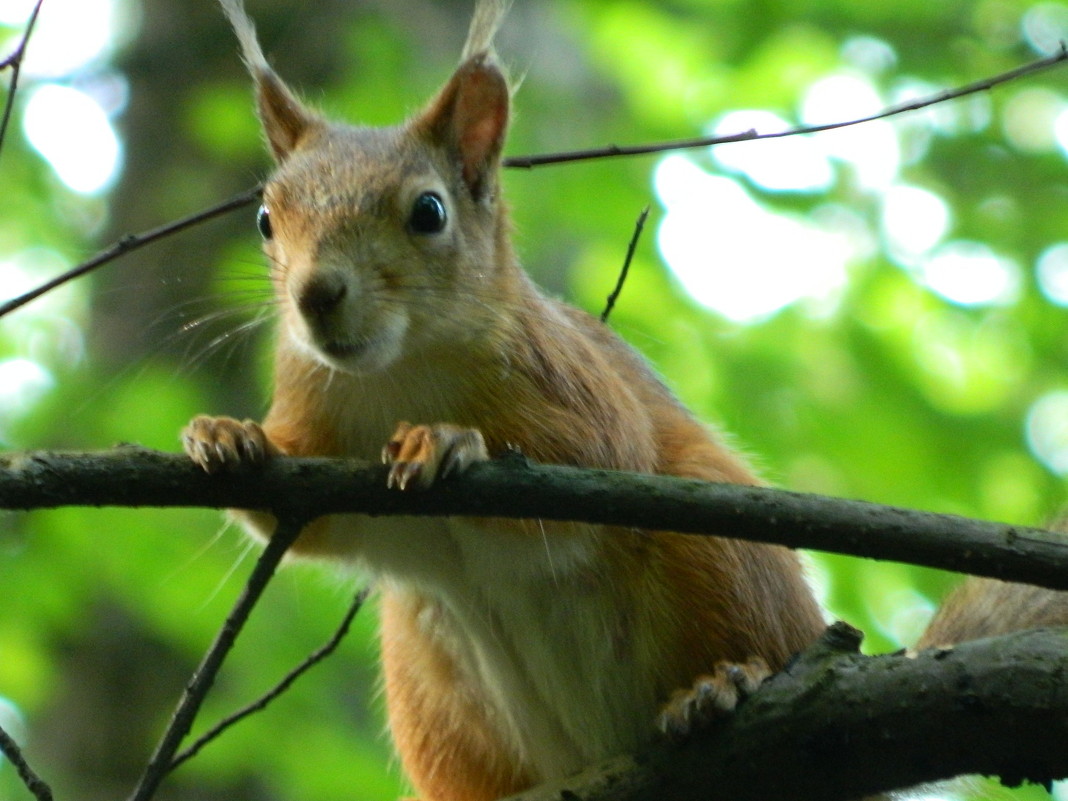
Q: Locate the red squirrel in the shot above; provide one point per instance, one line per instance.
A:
(513, 651)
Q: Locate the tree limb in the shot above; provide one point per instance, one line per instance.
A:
(837, 725)
(514, 487)
(851, 710)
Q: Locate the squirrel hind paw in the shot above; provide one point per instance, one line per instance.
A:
(223, 443)
(421, 454)
(712, 697)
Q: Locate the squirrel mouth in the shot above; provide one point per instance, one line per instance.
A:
(340, 349)
(360, 352)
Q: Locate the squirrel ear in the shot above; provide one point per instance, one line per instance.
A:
(469, 117)
(284, 118)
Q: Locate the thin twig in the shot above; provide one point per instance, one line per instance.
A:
(129, 243)
(614, 296)
(160, 764)
(322, 653)
(34, 783)
(610, 151)
(14, 61)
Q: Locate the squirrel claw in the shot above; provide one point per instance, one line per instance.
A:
(222, 443)
(402, 473)
(418, 455)
(712, 697)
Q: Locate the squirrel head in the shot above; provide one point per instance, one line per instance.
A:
(387, 243)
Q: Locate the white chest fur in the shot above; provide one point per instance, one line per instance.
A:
(529, 622)
(527, 612)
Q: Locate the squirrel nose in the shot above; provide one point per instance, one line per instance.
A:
(322, 295)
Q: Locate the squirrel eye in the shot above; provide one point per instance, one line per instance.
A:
(263, 222)
(428, 214)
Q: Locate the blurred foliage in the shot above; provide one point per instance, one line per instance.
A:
(886, 390)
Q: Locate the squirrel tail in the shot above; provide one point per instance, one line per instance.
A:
(984, 607)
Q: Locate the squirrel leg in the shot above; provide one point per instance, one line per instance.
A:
(222, 443)
(712, 697)
(420, 454)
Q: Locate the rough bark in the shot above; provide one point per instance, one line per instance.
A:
(837, 725)
(514, 487)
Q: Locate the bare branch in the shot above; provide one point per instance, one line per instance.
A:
(129, 243)
(614, 296)
(132, 242)
(9, 748)
(182, 720)
(313, 659)
(611, 151)
(837, 725)
(14, 63)
(513, 487)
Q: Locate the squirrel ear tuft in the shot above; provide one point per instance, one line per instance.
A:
(470, 114)
(470, 117)
(285, 120)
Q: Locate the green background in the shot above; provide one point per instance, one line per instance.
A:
(886, 391)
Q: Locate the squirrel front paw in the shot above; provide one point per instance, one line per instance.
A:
(712, 697)
(418, 455)
(221, 443)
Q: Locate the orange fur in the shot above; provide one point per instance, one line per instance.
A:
(983, 607)
(513, 651)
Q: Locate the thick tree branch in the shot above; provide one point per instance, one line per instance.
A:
(814, 732)
(836, 725)
(514, 487)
